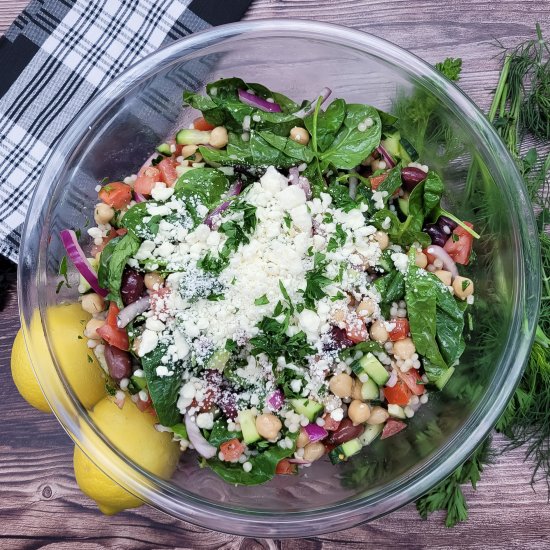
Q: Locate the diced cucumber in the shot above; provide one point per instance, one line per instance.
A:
(391, 144)
(396, 411)
(247, 420)
(344, 451)
(139, 382)
(370, 390)
(180, 431)
(83, 285)
(165, 149)
(310, 409)
(444, 378)
(408, 152)
(371, 433)
(385, 262)
(218, 360)
(192, 137)
(370, 365)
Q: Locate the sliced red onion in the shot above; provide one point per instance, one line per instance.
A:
(258, 102)
(77, 256)
(138, 197)
(299, 461)
(387, 157)
(302, 182)
(315, 432)
(233, 191)
(323, 94)
(130, 312)
(441, 254)
(392, 380)
(197, 440)
(275, 400)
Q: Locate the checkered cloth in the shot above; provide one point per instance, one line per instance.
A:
(55, 57)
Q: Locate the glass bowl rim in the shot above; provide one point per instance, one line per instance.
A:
(334, 517)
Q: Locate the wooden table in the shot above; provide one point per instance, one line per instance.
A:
(40, 504)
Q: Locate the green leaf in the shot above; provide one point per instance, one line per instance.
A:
(164, 391)
(201, 186)
(220, 434)
(261, 301)
(263, 465)
(450, 67)
(391, 286)
(326, 124)
(133, 220)
(113, 260)
(288, 147)
(351, 145)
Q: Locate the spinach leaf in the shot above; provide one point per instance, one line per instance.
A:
(164, 391)
(210, 110)
(264, 465)
(392, 182)
(220, 434)
(352, 145)
(126, 247)
(402, 233)
(201, 186)
(133, 220)
(436, 321)
(326, 124)
(104, 259)
(365, 347)
(391, 286)
(288, 147)
(265, 154)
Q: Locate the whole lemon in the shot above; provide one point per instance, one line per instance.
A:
(133, 433)
(24, 377)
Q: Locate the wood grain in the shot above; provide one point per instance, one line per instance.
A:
(40, 505)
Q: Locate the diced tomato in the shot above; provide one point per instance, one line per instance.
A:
(146, 406)
(330, 424)
(401, 329)
(398, 394)
(116, 194)
(231, 449)
(146, 180)
(111, 333)
(284, 467)
(392, 427)
(357, 331)
(413, 380)
(168, 172)
(201, 124)
(459, 245)
(375, 181)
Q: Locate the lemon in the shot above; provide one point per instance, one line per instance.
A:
(24, 377)
(66, 325)
(133, 433)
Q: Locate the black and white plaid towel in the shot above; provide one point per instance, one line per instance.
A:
(55, 57)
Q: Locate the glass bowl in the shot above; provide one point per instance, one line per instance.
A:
(118, 130)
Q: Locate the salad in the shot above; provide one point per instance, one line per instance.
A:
(279, 282)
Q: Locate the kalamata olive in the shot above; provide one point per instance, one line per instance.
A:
(132, 286)
(338, 339)
(412, 176)
(345, 432)
(437, 235)
(119, 362)
(447, 225)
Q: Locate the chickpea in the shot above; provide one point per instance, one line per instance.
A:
(300, 135)
(365, 308)
(314, 451)
(421, 260)
(303, 439)
(341, 385)
(268, 425)
(356, 390)
(93, 303)
(463, 287)
(188, 150)
(378, 332)
(218, 137)
(91, 329)
(444, 276)
(378, 415)
(103, 213)
(153, 280)
(404, 348)
(358, 412)
(198, 158)
(382, 239)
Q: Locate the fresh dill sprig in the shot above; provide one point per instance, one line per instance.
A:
(448, 495)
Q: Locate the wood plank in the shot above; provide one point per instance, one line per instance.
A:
(40, 504)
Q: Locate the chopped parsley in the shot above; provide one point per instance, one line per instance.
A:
(261, 301)
(338, 239)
